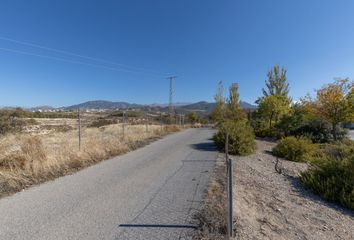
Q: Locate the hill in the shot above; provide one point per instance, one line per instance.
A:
(202, 106)
(101, 104)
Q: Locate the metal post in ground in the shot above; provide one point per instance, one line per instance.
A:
(227, 147)
(161, 120)
(146, 123)
(229, 188)
(230, 226)
(123, 124)
(79, 127)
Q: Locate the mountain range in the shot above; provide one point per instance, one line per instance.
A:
(201, 106)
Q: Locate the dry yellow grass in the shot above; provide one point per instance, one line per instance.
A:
(30, 159)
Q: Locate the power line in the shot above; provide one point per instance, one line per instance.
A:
(170, 107)
(80, 56)
(75, 61)
(65, 60)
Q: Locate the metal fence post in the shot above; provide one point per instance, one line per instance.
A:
(230, 226)
(123, 125)
(227, 147)
(79, 127)
(146, 122)
(229, 216)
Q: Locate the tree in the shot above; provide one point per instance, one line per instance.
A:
(335, 103)
(218, 114)
(193, 117)
(234, 110)
(276, 84)
(272, 108)
(232, 121)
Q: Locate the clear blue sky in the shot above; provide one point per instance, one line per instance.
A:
(199, 41)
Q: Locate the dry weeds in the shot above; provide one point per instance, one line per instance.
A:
(212, 218)
(27, 159)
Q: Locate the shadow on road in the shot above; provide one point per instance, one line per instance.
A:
(205, 146)
(157, 226)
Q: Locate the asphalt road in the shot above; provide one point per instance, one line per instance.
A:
(351, 134)
(150, 193)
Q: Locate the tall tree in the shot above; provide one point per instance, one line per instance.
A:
(235, 111)
(219, 111)
(276, 84)
(335, 103)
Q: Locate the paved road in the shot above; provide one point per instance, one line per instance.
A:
(351, 134)
(150, 193)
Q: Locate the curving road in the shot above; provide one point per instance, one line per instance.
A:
(150, 193)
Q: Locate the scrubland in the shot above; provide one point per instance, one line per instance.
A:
(28, 159)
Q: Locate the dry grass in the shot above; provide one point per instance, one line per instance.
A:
(212, 218)
(31, 159)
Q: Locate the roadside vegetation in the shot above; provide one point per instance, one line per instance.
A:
(310, 131)
(231, 119)
(32, 158)
(211, 219)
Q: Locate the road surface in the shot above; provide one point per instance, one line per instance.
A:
(150, 193)
(351, 134)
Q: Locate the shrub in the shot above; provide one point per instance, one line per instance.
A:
(319, 131)
(332, 176)
(266, 133)
(10, 124)
(294, 149)
(289, 123)
(102, 122)
(241, 137)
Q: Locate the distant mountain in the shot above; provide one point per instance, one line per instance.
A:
(202, 107)
(177, 104)
(101, 104)
(246, 105)
(208, 107)
(41, 108)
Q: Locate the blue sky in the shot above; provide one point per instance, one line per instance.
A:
(201, 42)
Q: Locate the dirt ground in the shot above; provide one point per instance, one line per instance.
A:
(268, 205)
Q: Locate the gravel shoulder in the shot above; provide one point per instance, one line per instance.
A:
(268, 205)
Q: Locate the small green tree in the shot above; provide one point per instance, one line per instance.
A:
(271, 108)
(234, 123)
(193, 117)
(335, 103)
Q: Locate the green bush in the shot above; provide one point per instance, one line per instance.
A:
(319, 131)
(241, 137)
(266, 133)
(294, 148)
(332, 175)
